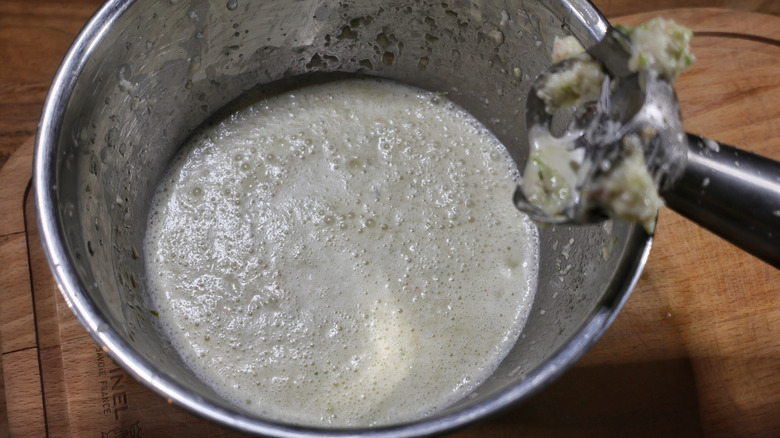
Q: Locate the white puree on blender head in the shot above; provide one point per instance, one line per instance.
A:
(345, 254)
(628, 191)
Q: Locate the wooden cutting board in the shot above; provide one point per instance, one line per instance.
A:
(695, 352)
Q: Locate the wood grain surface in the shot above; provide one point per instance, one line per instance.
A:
(695, 351)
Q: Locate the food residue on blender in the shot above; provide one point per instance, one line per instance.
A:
(627, 191)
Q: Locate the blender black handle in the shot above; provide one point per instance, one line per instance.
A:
(733, 193)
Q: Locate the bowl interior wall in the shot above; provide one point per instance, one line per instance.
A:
(163, 67)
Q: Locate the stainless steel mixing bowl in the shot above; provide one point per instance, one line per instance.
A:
(143, 74)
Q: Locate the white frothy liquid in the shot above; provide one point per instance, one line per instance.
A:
(345, 254)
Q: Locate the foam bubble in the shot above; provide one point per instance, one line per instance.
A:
(345, 254)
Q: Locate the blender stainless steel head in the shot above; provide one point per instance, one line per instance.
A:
(742, 210)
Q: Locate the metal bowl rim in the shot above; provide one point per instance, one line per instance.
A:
(74, 292)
